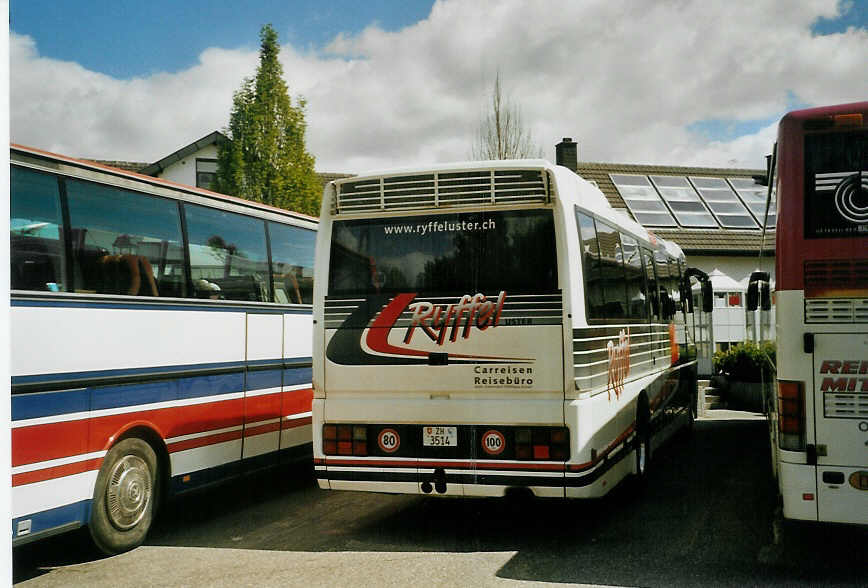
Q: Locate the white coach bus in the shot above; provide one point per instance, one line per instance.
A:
(492, 327)
(160, 342)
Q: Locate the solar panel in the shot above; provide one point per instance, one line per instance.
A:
(726, 207)
(642, 200)
(754, 197)
(684, 202)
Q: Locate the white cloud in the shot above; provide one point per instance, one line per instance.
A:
(625, 79)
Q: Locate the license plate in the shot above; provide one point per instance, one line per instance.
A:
(440, 436)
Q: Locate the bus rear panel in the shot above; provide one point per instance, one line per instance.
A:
(445, 346)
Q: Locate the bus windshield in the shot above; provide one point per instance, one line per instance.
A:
(510, 250)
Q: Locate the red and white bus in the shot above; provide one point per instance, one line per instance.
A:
(160, 341)
(485, 328)
(819, 423)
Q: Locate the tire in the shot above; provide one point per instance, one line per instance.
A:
(642, 450)
(125, 497)
(691, 416)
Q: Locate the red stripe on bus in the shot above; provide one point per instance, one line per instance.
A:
(50, 441)
(297, 401)
(611, 447)
(293, 423)
(204, 441)
(56, 472)
(261, 429)
(527, 466)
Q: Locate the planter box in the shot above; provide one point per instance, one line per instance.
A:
(747, 396)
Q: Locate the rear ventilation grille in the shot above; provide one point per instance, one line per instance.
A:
(837, 278)
(843, 406)
(836, 310)
(441, 190)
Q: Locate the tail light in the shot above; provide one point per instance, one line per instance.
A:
(542, 444)
(791, 415)
(345, 440)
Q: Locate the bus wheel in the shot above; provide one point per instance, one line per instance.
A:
(123, 501)
(643, 444)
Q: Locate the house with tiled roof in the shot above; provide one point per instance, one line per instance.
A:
(194, 164)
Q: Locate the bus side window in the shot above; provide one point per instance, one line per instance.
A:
(635, 278)
(674, 281)
(651, 281)
(37, 253)
(228, 255)
(124, 242)
(292, 251)
(594, 301)
(612, 271)
(663, 295)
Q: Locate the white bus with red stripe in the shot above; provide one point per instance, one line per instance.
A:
(819, 418)
(490, 327)
(160, 342)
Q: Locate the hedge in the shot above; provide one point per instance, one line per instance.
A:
(746, 362)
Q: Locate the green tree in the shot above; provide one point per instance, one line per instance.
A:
(266, 159)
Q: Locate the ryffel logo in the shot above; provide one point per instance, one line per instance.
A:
(619, 363)
(364, 337)
(434, 319)
(850, 191)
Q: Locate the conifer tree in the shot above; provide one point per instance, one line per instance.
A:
(266, 159)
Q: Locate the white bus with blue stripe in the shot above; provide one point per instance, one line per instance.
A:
(160, 343)
(486, 328)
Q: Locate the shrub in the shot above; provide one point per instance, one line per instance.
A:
(747, 362)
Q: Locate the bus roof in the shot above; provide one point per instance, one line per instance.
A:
(821, 111)
(87, 164)
(587, 195)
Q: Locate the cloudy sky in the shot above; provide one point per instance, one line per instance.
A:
(395, 83)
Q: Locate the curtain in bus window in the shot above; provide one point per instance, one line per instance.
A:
(612, 271)
(651, 281)
(37, 260)
(635, 278)
(228, 255)
(452, 254)
(836, 184)
(292, 251)
(591, 258)
(663, 282)
(675, 283)
(124, 242)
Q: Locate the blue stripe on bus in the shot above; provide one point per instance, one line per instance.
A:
(91, 375)
(43, 404)
(264, 379)
(47, 520)
(151, 371)
(172, 306)
(297, 376)
(47, 404)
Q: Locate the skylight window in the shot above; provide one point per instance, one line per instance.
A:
(642, 200)
(684, 202)
(754, 196)
(723, 203)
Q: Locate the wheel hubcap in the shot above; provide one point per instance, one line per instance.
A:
(129, 492)
(641, 458)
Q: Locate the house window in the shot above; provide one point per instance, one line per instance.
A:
(206, 172)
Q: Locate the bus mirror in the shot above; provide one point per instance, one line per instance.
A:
(765, 297)
(665, 305)
(707, 297)
(687, 297)
(752, 296)
(758, 295)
